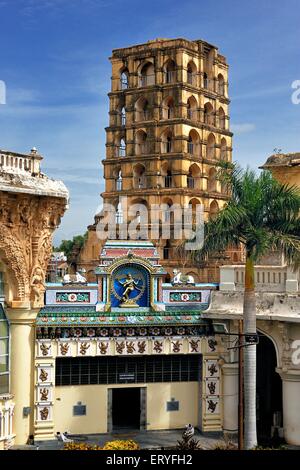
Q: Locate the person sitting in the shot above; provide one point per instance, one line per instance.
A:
(63, 437)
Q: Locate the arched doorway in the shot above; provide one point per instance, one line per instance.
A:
(268, 391)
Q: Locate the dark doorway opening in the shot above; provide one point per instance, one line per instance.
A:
(269, 393)
(126, 408)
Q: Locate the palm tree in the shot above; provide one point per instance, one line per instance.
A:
(263, 215)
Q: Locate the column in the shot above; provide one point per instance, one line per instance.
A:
(230, 397)
(291, 283)
(291, 405)
(22, 378)
(227, 280)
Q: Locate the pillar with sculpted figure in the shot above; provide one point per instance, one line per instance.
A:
(31, 206)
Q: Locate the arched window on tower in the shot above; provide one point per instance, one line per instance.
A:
(222, 118)
(123, 116)
(209, 118)
(124, 79)
(192, 108)
(211, 147)
(221, 84)
(167, 142)
(141, 144)
(192, 73)
(139, 178)
(142, 112)
(168, 108)
(170, 71)
(119, 181)
(194, 143)
(193, 178)
(212, 180)
(147, 75)
(122, 148)
(213, 209)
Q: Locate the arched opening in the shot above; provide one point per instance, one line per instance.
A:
(205, 80)
(167, 175)
(192, 108)
(223, 148)
(212, 180)
(121, 149)
(168, 108)
(221, 114)
(193, 204)
(192, 73)
(168, 214)
(209, 118)
(142, 109)
(211, 147)
(123, 116)
(124, 78)
(213, 209)
(194, 143)
(221, 84)
(268, 392)
(147, 75)
(193, 177)
(170, 71)
(167, 142)
(139, 178)
(119, 183)
(141, 146)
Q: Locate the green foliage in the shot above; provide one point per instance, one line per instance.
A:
(262, 214)
(67, 246)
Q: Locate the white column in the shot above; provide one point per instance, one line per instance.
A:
(22, 369)
(230, 397)
(227, 281)
(1, 424)
(291, 406)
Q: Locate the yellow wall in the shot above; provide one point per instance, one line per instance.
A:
(95, 399)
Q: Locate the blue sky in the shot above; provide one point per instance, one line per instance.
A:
(54, 61)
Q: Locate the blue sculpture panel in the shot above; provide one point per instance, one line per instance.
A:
(130, 286)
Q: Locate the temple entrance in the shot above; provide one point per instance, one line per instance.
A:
(126, 408)
(269, 393)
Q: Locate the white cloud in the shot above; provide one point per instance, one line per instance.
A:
(243, 128)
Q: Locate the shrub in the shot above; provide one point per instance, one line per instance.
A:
(121, 445)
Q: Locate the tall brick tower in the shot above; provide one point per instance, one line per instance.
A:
(168, 128)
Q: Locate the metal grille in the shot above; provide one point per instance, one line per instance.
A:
(112, 370)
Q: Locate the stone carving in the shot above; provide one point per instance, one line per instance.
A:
(130, 347)
(212, 369)
(44, 394)
(158, 346)
(141, 347)
(180, 278)
(103, 346)
(120, 346)
(212, 343)
(37, 285)
(45, 349)
(83, 348)
(26, 226)
(74, 279)
(44, 413)
(64, 348)
(194, 345)
(43, 375)
(212, 387)
(212, 405)
(176, 346)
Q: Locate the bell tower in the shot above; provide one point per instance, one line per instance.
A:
(168, 129)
